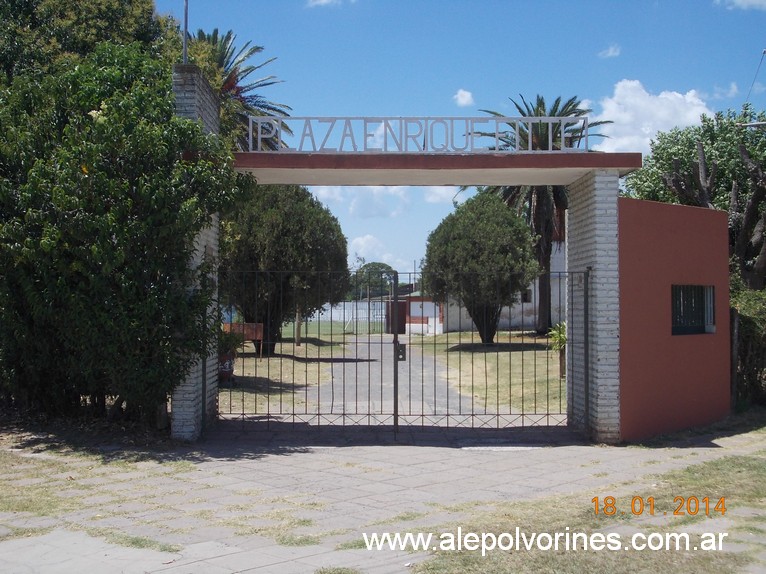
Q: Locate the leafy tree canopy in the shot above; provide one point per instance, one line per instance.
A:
(482, 254)
(102, 193)
(372, 279)
(718, 164)
(282, 251)
(36, 35)
(676, 151)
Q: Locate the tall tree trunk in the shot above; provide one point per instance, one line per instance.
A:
(298, 326)
(485, 317)
(543, 214)
(751, 243)
(272, 332)
(98, 403)
(115, 411)
(758, 278)
(544, 322)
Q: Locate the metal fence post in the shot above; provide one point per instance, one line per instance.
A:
(395, 357)
(586, 349)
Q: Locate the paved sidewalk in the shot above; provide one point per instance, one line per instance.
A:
(244, 501)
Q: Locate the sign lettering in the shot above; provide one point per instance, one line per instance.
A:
(413, 135)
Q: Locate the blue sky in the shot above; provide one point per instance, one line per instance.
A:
(646, 65)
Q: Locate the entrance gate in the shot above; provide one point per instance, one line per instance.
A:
(390, 356)
(448, 151)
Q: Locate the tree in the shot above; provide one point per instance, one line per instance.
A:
(538, 204)
(103, 190)
(482, 254)
(283, 255)
(371, 280)
(718, 164)
(41, 35)
(227, 69)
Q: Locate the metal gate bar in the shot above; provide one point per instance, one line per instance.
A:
(428, 368)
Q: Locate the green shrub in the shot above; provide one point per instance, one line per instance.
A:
(750, 314)
(558, 337)
(103, 190)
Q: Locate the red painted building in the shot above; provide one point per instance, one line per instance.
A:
(674, 317)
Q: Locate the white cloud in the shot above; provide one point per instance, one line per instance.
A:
(328, 193)
(313, 3)
(373, 249)
(611, 52)
(370, 201)
(639, 115)
(366, 246)
(377, 136)
(742, 4)
(440, 194)
(730, 92)
(378, 201)
(463, 98)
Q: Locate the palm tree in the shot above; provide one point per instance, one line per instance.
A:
(229, 72)
(540, 204)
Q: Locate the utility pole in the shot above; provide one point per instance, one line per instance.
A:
(186, 29)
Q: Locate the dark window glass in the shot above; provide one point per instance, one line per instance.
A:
(693, 309)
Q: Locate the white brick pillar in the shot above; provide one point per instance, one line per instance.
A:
(593, 381)
(194, 402)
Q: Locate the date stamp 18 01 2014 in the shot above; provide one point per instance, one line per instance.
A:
(682, 506)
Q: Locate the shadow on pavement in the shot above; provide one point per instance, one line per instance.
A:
(237, 439)
(269, 432)
(751, 420)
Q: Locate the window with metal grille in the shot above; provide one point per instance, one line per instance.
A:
(693, 308)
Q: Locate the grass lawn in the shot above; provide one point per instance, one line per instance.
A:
(283, 381)
(519, 372)
(741, 479)
(334, 329)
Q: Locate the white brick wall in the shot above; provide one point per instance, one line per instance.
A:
(196, 100)
(592, 243)
(208, 243)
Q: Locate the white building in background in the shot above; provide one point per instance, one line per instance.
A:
(426, 317)
(419, 314)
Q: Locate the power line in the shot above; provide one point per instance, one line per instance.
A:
(756, 77)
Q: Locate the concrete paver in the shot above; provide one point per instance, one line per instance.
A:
(249, 494)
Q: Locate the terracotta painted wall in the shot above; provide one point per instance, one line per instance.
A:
(670, 382)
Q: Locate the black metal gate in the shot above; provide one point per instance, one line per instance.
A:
(388, 354)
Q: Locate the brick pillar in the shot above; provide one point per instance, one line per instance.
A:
(592, 244)
(194, 402)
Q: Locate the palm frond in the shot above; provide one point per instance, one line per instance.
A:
(542, 135)
(239, 91)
